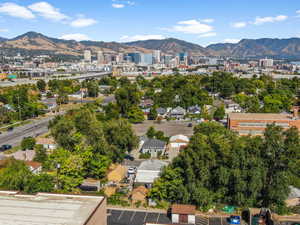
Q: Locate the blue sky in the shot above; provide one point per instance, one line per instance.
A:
(198, 21)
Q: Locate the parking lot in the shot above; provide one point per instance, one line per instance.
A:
(126, 217)
(123, 217)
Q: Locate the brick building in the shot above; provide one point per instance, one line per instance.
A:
(256, 123)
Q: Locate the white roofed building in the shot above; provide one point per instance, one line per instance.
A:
(148, 171)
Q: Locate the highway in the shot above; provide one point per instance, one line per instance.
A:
(33, 129)
(33, 81)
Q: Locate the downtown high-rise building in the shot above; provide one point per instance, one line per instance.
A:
(87, 56)
(100, 58)
(157, 56)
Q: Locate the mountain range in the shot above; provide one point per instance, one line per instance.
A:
(36, 43)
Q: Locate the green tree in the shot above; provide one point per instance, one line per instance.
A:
(93, 89)
(28, 143)
(219, 114)
(14, 175)
(41, 85)
(152, 114)
(40, 183)
(40, 154)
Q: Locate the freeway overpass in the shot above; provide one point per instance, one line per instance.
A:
(32, 81)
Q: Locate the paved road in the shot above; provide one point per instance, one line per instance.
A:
(33, 129)
(27, 81)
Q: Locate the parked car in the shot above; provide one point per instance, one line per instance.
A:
(10, 129)
(190, 125)
(5, 147)
(234, 220)
(131, 170)
(129, 157)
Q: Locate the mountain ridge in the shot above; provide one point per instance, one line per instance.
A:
(34, 42)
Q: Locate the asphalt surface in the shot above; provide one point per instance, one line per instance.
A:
(123, 217)
(131, 217)
(33, 129)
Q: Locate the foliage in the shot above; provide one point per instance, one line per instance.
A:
(219, 166)
(28, 143)
(219, 114)
(41, 85)
(40, 154)
(16, 176)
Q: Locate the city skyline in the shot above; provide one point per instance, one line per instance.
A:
(123, 21)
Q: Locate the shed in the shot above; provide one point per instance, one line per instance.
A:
(184, 214)
(34, 167)
(48, 143)
(90, 184)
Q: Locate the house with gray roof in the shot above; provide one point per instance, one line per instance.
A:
(153, 146)
(178, 112)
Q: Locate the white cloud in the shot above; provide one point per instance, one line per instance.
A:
(118, 6)
(3, 30)
(298, 11)
(83, 22)
(210, 34)
(269, 19)
(239, 24)
(126, 38)
(191, 27)
(209, 20)
(231, 40)
(14, 10)
(76, 37)
(47, 11)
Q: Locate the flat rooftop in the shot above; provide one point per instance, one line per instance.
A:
(260, 116)
(46, 209)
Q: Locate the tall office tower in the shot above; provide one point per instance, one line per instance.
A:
(87, 55)
(100, 57)
(156, 56)
(266, 63)
(135, 57)
(120, 58)
(183, 58)
(146, 59)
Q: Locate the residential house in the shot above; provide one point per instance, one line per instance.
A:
(194, 110)
(146, 103)
(34, 167)
(139, 194)
(178, 113)
(48, 143)
(162, 112)
(148, 171)
(176, 144)
(79, 94)
(183, 214)
(178, 141)
(154, 147)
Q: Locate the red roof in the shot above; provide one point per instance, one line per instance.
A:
(183, 209)
(34, 165)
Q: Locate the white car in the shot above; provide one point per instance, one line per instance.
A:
(131, 170)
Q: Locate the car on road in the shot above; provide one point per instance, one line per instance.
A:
(10, 129)
(129, 157)
(234, 220)
(5, 147)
